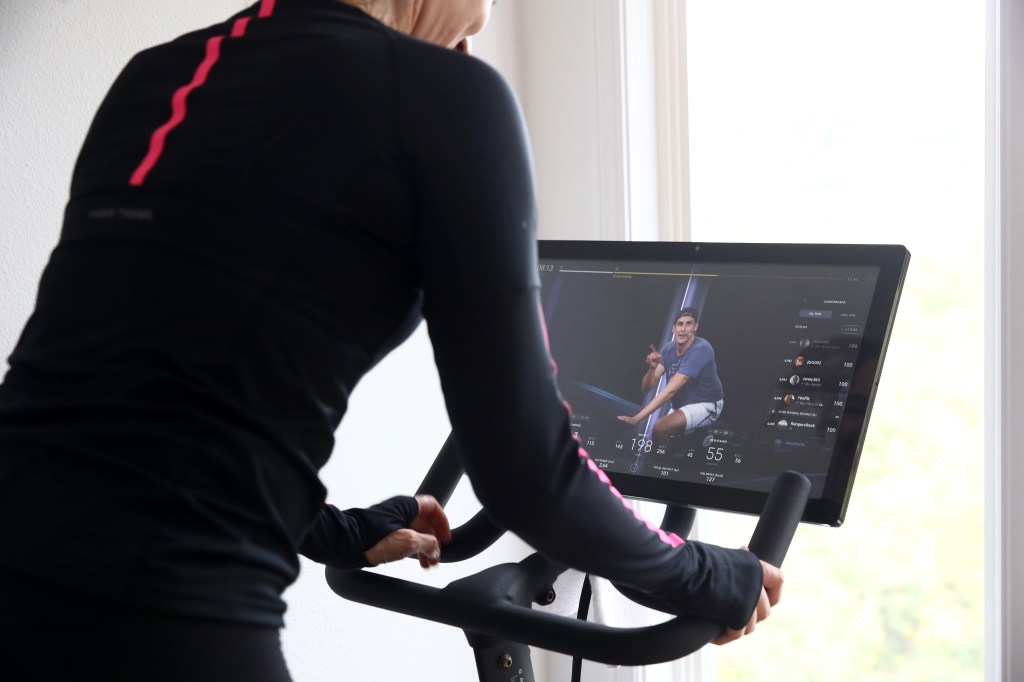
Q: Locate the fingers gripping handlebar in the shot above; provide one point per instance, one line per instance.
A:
(477, 534)
(496, 601)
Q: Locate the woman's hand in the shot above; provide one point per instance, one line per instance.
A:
(423, 538)
(632, 421)
(771, 592)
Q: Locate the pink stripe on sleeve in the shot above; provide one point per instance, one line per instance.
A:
(667, 538)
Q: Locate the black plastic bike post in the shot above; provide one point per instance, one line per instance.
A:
(678, 519)
(501, 661)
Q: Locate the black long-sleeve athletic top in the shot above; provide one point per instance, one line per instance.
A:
(260, 212)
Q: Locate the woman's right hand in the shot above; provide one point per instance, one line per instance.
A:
(771, 592)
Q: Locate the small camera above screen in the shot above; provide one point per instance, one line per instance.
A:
(697, 373)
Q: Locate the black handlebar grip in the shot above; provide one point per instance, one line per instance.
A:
(780, 517)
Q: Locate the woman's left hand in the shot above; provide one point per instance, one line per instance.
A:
(424, 537)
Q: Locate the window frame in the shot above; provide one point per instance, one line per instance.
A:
(1004, 291)
(634, 53)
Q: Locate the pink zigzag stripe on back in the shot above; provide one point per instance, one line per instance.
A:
(266, 9)
(239, 27)
(179, 109)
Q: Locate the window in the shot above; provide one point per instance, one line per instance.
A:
(838, 122)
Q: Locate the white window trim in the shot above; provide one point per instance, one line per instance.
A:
(1004, 292)
(642, 119)
(627, 157)
(612, 116)
(673, 119)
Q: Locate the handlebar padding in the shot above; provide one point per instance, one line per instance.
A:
(780, 517)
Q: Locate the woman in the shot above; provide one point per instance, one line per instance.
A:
(260, 212)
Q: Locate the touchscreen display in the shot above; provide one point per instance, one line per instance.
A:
(715, 374)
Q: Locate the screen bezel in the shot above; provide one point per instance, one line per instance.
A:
(829, 507)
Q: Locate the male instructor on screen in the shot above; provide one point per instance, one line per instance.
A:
(692, 383)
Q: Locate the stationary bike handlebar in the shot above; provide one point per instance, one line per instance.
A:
(477, 534)
(496, 601)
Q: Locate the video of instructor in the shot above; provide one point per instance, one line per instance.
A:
(719, 374)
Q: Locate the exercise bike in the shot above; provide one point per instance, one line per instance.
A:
(493, 606)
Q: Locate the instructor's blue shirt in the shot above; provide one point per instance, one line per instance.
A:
(697, 363)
